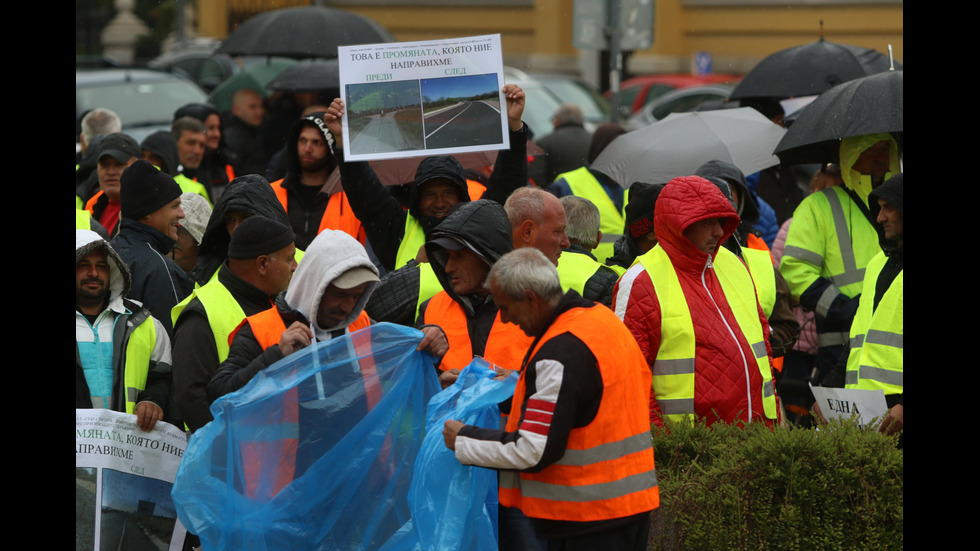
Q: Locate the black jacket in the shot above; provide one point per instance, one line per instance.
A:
(250, 194)
(158, 283)
(383, 216)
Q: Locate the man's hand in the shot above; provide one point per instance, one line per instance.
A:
(296, 337)
(449, 431)
(894, 422)
(447, 378)
(147, 415)
(332, 118)
(515, 106)
(433, 341)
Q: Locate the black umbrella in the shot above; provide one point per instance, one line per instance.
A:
(303, 32)
(809, 69)
(868, 105)
(311, 75)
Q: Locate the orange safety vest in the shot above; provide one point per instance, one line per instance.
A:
(337, 216)
(607, 471)
(263, 481)
(506, 344)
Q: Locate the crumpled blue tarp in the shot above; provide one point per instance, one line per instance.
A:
(454, 507)
(320, 450)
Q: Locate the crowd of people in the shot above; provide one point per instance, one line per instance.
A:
(201, 260)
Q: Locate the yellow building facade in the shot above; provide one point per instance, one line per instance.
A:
(537, 34)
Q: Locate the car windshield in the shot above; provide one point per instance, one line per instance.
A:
(139, 104)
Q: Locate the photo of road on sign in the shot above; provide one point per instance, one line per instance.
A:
(385, 117)
(461, 111)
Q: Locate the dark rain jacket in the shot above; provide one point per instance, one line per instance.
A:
(250, 194)
(384, 218)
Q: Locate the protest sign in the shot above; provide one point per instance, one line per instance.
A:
(845, 403)
(123, 479)
(436, 97)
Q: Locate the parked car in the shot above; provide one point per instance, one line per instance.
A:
(681, 101)
(145, 100)
(562, 89)
(635, 92)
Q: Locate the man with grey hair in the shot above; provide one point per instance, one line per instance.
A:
(98, 122)
(567, 147)
(577, 267)
(578, 413)
(537, 220)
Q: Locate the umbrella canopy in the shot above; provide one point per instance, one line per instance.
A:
(254, 77)
(868, 105)
(311, 75)
(681, 142)
(303, 32)
(809, 69)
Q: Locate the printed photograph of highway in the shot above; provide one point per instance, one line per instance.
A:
(384, 117)
(461, 111)
(438, 113)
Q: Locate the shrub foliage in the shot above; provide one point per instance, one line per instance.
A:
(755, 488)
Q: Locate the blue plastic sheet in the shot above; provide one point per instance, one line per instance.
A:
(316, 452)
(454, 507)
(327, 449)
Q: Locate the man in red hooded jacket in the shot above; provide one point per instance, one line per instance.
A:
(692, 307)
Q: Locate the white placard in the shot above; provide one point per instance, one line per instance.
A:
(843, 403)
(123, 479)
(410, 99)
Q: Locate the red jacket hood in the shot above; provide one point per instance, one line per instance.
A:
(684, 201)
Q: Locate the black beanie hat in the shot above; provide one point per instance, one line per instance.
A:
(259, 235)
(639, 209)
(144, 189)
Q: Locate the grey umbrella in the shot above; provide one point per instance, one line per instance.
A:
(303, 32)
(681, 142)
(869, 105)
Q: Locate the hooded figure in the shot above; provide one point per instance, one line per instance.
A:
(478, 232)
(332, 258)
(397, 236)
(831, 240)
(247, 195)
(162, 145)
(122, 353)
(314, 209)
(692, 307)
(875, 359)
(770, 286)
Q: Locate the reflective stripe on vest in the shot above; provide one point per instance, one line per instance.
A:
(764, 276)
(223, 313)
(848, 228)
(876, 358)
(611, 221)
(675, 365)
(607, 470)
(412, 241)
(337, 216)
(574, 270)
(506, 344)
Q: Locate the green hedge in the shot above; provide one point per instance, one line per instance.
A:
(755, 488)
